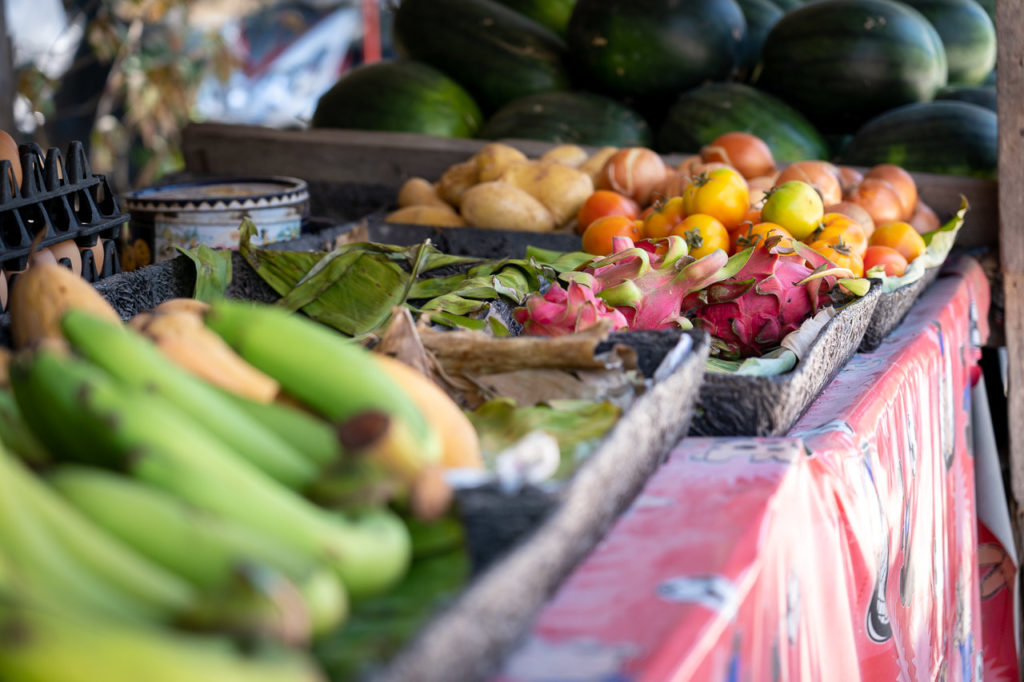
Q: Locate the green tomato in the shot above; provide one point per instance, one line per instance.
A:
(796, 206)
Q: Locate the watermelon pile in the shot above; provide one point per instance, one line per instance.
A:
(855, 81)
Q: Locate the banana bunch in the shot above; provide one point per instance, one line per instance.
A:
(202, 476)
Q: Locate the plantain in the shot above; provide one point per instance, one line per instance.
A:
(136, 362)
(42, 294)
(334, 376)
(151, 439)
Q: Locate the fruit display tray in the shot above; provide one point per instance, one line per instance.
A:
(892, 308)
(61, 199)
(521, 545)
(736, 405)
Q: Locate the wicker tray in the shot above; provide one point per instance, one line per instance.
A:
(732, 405)
(892, 308)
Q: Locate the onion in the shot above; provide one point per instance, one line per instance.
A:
(821, 175)
(745, 152)
(856, 212)
(923, 218)
(635, 172)
(879, 199)
(901, 181)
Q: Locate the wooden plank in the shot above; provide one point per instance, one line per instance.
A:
(1010, 106)
(390, 158)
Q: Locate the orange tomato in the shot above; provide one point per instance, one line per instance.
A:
(605, 202)
(900, 236)
(836, 228)
(721, 194)
(751, 217)
(757, 234)
(703, 234)
(887, 257)
(745, 152)
(597, 239)
(840, 256)
(663, 218)
(901, 181)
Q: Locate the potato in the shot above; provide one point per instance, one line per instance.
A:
(494, 158)
(499, 205)
(567, 154)
(457, 180)
(560, 188)
(419, 192)
(595, 163)
(437, 216)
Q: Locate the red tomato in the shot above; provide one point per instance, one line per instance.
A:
(605, 202)
(887, 257)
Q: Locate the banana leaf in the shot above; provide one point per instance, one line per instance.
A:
(213, 271)
(577, 425)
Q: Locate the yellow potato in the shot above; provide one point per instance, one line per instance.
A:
(457, 180)
(501, 206)
(560, 188)
(595, 163)
(494, 158)
(419, 192)
(437, 216)
(568, 154)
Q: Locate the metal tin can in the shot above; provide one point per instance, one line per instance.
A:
(210, 212)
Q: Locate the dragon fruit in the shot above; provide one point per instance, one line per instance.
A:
(563, 311)
(647, 280)
(775, 291)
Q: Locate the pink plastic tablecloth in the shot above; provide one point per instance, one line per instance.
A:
(849, 550)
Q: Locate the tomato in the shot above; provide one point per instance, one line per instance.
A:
(901, 181)
(796, 206)
(821, 175)
(855, 211)
(605, 202)
(751, 217)
(721, 194)
(836, 228)
(597, 239)
(757, 234)
(889, 258)
(703, 234)
(900, 236)
(745, 152)
(841, 256)
(663, 218)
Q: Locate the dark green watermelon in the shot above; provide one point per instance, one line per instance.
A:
(968, 36)
(582, 118)
(402, 95)
(842, 62)
(761, 15)
(945, 136)
(702, 114)
(982, 95)
(552, 14)
(654, 47)
(496, 53)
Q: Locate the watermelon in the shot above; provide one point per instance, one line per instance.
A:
(968, 36)
(402, 95)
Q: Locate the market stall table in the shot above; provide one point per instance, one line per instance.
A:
(850, 549)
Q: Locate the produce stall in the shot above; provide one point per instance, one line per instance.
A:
(659, 393)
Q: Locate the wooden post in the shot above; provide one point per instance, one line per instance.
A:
(1010, 102)
(7, 90)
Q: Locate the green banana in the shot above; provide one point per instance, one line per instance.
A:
(145, 435)
(15, 434)
(135, 361)
(42, 644)
(158, 525)
(327, 372)
(58, 549)
(312, 436)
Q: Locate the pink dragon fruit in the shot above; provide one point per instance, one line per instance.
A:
(560, 311)
(647, 280)
(774, 292)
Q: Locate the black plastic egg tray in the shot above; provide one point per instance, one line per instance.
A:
(61, 198)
